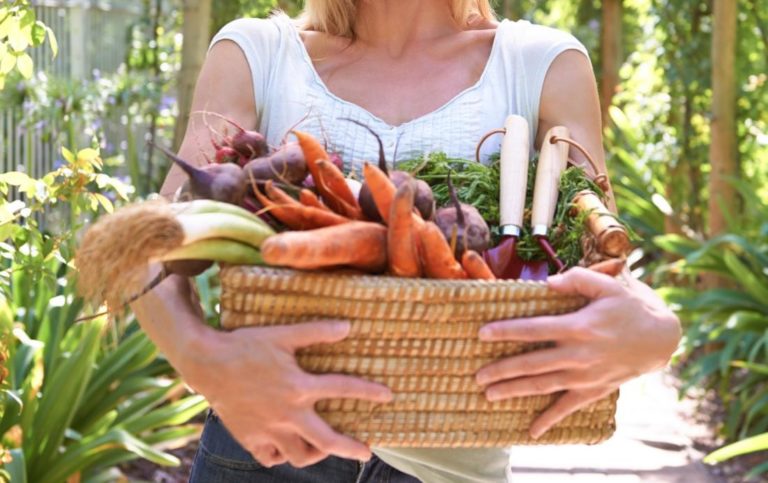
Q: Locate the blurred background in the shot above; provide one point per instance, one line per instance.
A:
(84, 84)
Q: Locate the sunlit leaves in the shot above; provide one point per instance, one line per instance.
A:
(19, 31)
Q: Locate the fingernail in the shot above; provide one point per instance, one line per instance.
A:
(555, 279)
(486, 333)
(492, 395)
(536, 433)
(342, 327)
(481, 378)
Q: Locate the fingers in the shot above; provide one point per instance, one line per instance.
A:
(565, 405)
(267, 455)
(293, 337)
(333, 386)
(534, 329)
(529, 364)
(317, 433)
(588, 283)
(298, 452)
(530, 386)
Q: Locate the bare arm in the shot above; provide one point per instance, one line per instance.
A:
(570, 99)
(249, 376)
(225, 87)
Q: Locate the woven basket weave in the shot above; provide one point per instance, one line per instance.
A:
(419, 337)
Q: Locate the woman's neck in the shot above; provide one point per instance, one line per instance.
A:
(396, 24)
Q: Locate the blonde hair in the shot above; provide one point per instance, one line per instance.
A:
(337, 17)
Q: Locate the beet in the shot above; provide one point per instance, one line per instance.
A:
(472, 232)
(241, 147)
(219, 182)
(250, 144)
(287, 164)
(335, 158)
(424, 201)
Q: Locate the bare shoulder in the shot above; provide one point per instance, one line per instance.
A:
(320, 45)
(569, 94)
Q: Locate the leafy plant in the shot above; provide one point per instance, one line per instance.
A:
(478, 185)
(79, 397)
(749, 445)
(726, 337)
(19, 30)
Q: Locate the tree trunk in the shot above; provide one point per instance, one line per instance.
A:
(610, 42)
(197, 35)
(723, 153)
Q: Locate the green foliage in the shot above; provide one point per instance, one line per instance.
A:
(228, 10)
(79, 397)
(478, 185)
(20, 30)
(727, 328)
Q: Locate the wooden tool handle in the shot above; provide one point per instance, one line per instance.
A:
(552, 161)
(515, 153)
(612, 237)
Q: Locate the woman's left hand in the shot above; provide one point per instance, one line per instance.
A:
(625, 331)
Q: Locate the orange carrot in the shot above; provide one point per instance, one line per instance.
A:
(328, 178)
(436, 254)
(279, 196)
(285, 215)
(402, 239)
(382, 189)
(313, 218)
(312, 150)
(309, 198)
(335, 191)
(358, 244)
(476, 267)
(296, 216)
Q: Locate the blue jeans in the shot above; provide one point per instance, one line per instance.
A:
(220, 459)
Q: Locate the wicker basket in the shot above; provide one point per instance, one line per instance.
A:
(419, 337)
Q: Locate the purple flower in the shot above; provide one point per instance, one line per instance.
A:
(167, 102)
(96, 74)
(59, 163)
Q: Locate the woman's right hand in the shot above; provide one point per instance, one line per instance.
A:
(253, 383)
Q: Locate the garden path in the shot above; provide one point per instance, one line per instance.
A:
(653, 443)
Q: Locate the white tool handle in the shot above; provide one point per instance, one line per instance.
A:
(515, 151)
(552, 161)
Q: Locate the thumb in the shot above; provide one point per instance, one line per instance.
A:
(587, 283)
(304, 334)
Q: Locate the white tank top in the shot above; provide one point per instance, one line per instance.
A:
(286, 87)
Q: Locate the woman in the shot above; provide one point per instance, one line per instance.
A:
(427, 75)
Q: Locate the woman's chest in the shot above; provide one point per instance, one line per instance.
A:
(398, 91)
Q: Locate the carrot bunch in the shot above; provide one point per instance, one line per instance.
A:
(329, 230)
